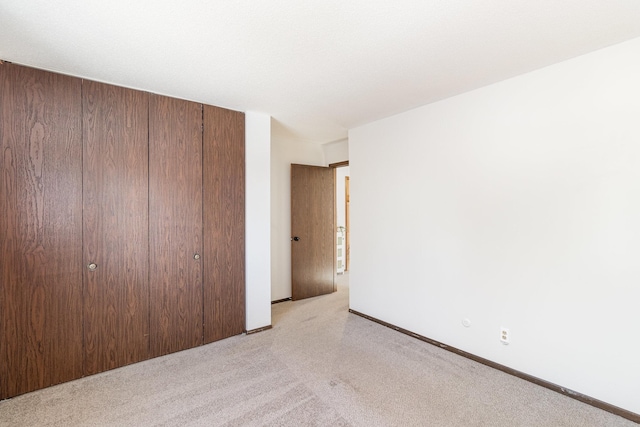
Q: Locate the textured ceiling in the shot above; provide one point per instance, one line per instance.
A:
(317, 67)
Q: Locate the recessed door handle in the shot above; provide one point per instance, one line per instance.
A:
(92, 266)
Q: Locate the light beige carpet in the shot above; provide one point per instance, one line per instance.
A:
(320, 366)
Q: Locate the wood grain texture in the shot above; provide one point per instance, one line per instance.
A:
(312, 220)
(175, 224)
(116, 294)
(40, 229)
(224, 223)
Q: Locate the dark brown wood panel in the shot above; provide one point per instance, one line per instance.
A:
(116, 294)
(40, 229)
(175, 224)
(313, 231)
(224, 223)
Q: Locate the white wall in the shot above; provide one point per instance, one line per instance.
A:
(336, 152)
(258, 227)
(283, 154)
(514, 205)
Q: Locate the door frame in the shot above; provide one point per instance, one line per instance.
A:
(335, 166)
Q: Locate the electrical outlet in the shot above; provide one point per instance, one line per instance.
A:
(505, 336)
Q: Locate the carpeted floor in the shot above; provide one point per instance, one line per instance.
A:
(319, 365)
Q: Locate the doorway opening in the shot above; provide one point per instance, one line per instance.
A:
(315, 228)
(342, 216)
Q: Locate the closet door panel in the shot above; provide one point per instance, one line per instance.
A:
(175, 224)
(224, 223)
(40, 229)
(116, 240)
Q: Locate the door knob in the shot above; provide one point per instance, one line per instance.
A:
(295, 239)
(92, 266)
(196, 256)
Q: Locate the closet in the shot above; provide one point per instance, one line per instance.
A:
(40, 229)
(224, 241)
(176, 233)
(115, 226)
(122, 227)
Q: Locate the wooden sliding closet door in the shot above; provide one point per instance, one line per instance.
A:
(175, 224)
(223, 190)
(116, 240)
(40, 229)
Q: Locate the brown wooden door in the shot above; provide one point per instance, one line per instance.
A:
(224, 223)
(175, 224)
(40, 229)
(116, 239)
(313, 231)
